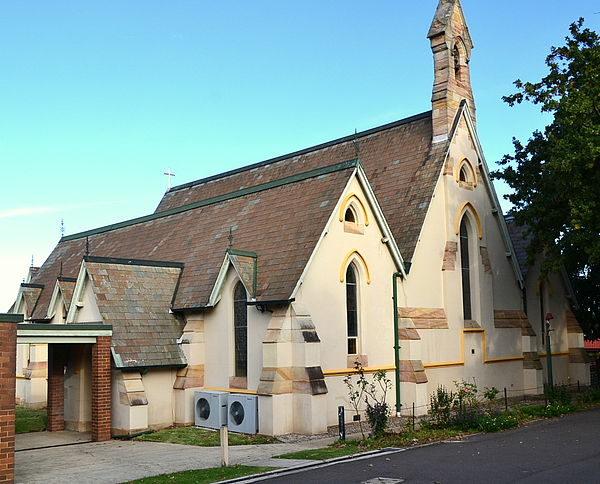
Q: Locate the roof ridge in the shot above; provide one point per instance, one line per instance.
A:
(219, 198)
(133, 262)
(303, 151)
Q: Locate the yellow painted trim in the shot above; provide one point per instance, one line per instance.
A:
(460, 164)
(231, 390)
(485, 359)
(20, 377)
(459, 214)
(353, 371)
(344, 204)
(345, 265)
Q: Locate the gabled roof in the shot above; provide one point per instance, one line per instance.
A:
(29, 294)
(134, 297)
(66, 286)
(397, 159)
(280, 221)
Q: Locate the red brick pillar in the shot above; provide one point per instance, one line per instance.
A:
(8, 356)
(101, 400)
(56, 387)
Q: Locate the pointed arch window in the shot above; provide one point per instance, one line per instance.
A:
(352, 309)
(465, 267)
(240, 330)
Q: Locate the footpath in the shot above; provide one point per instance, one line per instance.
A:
(41, 459)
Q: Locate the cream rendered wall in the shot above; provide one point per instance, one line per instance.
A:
(89, 312)
(430, 287)
(322, 293)
(219, 342)
(158, 386)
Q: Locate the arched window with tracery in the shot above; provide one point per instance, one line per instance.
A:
(240, 330)
(352, 309)
(465, 267)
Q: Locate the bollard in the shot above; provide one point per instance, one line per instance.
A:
(505, 400)
(224, 434)
(341, 423)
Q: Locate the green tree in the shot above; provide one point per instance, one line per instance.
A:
(555, 176)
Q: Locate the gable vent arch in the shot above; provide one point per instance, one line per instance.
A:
(465, 173)
(357, 207)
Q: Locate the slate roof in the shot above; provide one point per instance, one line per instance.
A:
(281, 222)
(31, 294)
(520, 242)
(134, 298)
(66, 286)
(398, 159)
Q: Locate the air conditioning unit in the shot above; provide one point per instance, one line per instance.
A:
(242, 413)
(210, 409)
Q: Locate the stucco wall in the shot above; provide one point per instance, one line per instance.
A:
(324, 295)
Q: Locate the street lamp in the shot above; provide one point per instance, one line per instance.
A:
(548, 318)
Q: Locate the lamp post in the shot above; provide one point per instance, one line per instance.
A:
(549, 350)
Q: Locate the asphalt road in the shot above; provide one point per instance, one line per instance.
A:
(562, 451)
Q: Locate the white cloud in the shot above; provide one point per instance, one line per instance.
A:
(27, 211)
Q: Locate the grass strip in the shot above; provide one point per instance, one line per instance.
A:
(202, 437)
(203, 476)
(29, 420)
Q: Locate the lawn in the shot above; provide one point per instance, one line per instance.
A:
(203, 476)
(349, 447)
(29, 420)
(202, 437)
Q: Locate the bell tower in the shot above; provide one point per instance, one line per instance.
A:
(451, 46)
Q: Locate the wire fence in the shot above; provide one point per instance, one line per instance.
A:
(506, 399)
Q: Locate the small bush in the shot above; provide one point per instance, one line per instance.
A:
(441, 402)
(467, 419)
(557, 394)
(546, 411)
(495, 422)
(377, 415)
(591, 396)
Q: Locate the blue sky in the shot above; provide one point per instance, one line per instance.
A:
(98, 99)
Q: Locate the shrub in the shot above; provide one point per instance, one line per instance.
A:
(441, 403)
(557, 394)
(591, 396)
(378, 410)
(493, 422)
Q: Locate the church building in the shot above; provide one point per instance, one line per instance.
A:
(272, 280)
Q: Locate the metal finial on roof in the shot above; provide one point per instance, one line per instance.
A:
(31, 261)
(230, 236)
(62, 227)
(356, 144)
(168, 174)
(87, 245)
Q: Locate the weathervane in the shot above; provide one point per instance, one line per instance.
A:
(356, 144)
(169, 174)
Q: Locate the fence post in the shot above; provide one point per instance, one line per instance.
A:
(341, 423)
(578, 387)
(413, 417)
(505, 400)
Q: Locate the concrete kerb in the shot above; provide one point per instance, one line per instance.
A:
(321, 463)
